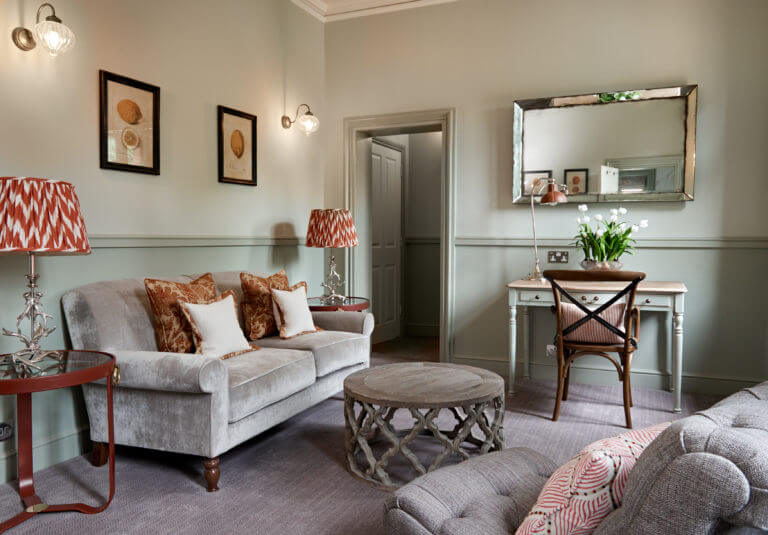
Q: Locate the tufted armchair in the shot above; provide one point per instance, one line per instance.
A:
(707, 473)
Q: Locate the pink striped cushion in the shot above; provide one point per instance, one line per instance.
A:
(581, 493)
(592, 331)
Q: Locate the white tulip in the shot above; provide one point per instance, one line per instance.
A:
(622, 227)
(599, 232)
(622, 210)
(644, 223)
(635, 228)
(579, 221)
(614, 211)
(585, 219)
(583, 208)
(598, 217)
(614, 218)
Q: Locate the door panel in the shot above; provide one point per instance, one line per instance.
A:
(386, 190)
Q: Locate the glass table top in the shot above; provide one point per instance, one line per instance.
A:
(54, 363)
(347, 301)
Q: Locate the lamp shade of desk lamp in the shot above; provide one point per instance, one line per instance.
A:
(38, 217)
(332, 227)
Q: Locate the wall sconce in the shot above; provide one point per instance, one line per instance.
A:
(307, 122)
(55, 37)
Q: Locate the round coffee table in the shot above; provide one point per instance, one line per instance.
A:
(474, 396)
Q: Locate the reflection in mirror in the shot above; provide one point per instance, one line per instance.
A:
(632, 145)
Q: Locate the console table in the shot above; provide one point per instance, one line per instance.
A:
(667, 297)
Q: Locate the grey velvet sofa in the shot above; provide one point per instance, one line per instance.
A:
(705, 474)
(199, 405)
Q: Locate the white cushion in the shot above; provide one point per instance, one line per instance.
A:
(216, 326)
(292, 312)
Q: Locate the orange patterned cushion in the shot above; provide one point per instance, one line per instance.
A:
(174, 335)
(257, 303)
(592, 331)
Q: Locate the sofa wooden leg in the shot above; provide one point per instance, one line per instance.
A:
(99, 454)
(212, 473)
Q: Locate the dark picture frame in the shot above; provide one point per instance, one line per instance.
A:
(545, 173)
(583, 188)
(232, 149)
(135, 128)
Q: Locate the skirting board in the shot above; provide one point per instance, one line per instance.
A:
(643, 378)
(47, 452)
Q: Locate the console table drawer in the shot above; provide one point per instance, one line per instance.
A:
(543, 296)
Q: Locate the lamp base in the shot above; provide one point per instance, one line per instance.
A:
(29, 360)
(331, 284)
(535, 277)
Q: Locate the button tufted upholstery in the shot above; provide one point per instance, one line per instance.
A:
(707, 473)
(484, 495)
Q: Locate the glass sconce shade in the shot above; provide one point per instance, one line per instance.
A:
(308, 123)
(54, 36)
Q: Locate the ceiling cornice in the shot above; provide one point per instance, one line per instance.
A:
(347, 9)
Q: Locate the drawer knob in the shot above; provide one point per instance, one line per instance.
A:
(537, 297)
(583, 297)
(595, 298)
(647, 301)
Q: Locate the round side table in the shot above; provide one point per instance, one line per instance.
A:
(474, 396)
(350, 304)
(72, 368)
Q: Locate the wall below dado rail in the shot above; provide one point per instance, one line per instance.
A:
(263, 57)
(60, 421)
(479, 56)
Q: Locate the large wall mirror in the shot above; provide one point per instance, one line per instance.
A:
(637, 145)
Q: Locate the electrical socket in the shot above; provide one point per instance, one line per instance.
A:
(557, 257)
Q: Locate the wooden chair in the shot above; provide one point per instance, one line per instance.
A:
(572, 344)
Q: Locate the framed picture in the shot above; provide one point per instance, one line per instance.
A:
(530, 177)
(576, 181)
(129, 129)
(237, 146)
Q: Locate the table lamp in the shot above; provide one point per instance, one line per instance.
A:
(555, 195)
(38, 217)
(332, 227)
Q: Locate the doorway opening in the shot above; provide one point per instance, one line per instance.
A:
(399, 187)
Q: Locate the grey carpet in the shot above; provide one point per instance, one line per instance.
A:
(292, 480)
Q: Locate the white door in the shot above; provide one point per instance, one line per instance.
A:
(386, 186)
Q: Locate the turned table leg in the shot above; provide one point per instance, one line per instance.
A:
(99, 454)
(212, 473)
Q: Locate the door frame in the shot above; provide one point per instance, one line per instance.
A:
(403, 205)
(401, 123)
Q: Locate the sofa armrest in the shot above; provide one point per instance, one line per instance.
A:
(353, 322)
(449, 500)
(172, 372)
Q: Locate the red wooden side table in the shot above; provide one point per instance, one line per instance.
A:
(350, 304)
(72, 369)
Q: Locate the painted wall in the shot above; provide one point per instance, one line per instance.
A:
(262, 57)
(478, 56)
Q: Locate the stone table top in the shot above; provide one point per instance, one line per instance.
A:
(424, 385)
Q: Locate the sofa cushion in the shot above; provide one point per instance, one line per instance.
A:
(257, 303)
(582, 492)
(263, 377)
(333, 350)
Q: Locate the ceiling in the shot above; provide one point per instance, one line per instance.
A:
(330, 10)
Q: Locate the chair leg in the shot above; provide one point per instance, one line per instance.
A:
(99, 454)
(567, 383)
(627, 394)
(560, 380)
(212, 473)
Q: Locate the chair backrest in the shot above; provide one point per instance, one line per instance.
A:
(632, 278)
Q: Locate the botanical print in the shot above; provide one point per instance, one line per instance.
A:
(576, 181)
(130, 116)
(530, 177)
(237, 143)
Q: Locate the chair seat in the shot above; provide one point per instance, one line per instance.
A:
(605, 348)
(333, 350)
(263, 377)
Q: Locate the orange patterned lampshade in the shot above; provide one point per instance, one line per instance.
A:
(331, 227)
(40, 216)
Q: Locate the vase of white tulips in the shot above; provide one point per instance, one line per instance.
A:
(604, 240)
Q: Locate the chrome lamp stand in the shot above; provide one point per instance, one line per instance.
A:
(332, 282)
(28, 358)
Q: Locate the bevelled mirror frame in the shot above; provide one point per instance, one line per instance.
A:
(688, 93)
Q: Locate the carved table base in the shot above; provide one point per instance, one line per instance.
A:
(367, 423)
